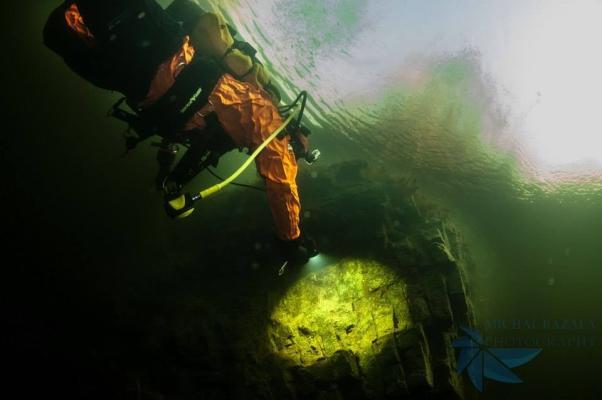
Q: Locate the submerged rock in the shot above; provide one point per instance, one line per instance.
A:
(372, 317)
(347, 306)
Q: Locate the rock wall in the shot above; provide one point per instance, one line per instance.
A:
(391, 325)
(373, 318)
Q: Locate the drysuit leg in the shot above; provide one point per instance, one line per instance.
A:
(277, 165)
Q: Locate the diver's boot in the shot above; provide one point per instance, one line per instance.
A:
(297, 251)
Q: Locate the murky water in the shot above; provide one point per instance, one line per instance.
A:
(490, 106)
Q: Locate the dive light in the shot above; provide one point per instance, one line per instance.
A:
(183, 205)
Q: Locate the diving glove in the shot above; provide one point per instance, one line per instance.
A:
(300, 145)
(166, 156)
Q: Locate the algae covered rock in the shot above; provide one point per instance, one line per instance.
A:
(344, 306)
(372, 317)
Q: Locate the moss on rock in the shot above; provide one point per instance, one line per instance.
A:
(344, 306)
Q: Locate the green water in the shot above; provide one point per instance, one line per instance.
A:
(535, 244)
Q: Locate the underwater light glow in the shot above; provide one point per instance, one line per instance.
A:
(542, 57)
(318, 261)
(338, 306)
(552, 57)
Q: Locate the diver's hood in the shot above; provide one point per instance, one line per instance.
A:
(186, 13)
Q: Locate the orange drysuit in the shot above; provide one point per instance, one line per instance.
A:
(76, 22)
(248, 116)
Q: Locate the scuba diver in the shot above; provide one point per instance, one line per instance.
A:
(189, 81)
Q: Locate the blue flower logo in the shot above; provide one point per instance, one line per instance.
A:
(493, 363)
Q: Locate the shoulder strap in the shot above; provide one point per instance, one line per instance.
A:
(188, 94)
(246, 49)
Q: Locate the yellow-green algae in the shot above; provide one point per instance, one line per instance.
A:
(349, 305)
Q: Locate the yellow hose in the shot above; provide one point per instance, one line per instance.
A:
(182, 206)
(216, 188)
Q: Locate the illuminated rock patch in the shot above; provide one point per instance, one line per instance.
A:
(344, 306)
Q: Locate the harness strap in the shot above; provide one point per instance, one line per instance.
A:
(246, 49)
(188, 94)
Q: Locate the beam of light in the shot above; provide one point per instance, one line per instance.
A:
(318, 262)
(341, 305)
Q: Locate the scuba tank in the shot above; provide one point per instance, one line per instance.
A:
(131, 38)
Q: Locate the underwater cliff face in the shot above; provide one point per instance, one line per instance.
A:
(372, 317)
(112, 297)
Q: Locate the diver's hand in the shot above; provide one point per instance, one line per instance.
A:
(300, 145)
(170, 188)
(166, 156)
(302, 142)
